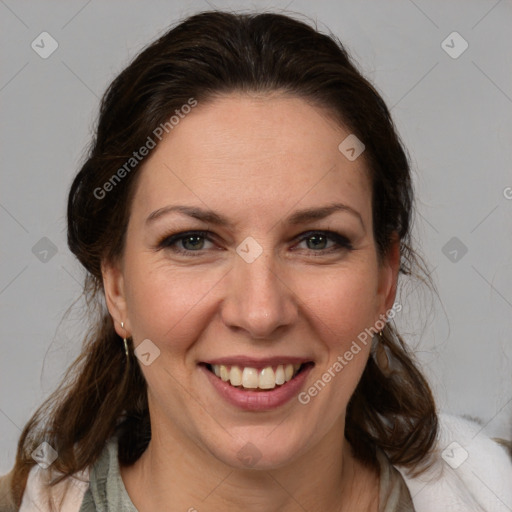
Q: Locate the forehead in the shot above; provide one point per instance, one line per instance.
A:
(253, 153)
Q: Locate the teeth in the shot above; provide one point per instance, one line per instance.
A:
(288, 372)
(224, 374)
(251, 378)
(280, 376)
(267, 379)
(235, 376)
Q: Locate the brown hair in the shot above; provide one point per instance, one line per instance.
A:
(210, 54)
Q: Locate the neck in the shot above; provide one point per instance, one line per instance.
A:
(175, 470)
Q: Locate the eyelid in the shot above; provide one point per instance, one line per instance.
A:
(341, 242)
(169, 240)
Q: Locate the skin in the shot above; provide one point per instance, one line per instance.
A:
(255, 160)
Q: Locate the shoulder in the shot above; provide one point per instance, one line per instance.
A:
(470, 471)
(6, 498)
(67, 495)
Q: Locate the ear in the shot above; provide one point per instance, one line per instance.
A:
(388, 275)
(113, 285)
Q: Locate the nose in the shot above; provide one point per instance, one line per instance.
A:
(259, 298)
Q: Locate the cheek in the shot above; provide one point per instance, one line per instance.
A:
(343, 302)
(164, 303)
(343, 305)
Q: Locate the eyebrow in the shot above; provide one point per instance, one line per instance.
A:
(211, 217)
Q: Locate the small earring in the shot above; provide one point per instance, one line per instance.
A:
(125, 342)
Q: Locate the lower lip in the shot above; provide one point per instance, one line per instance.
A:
(258, 400)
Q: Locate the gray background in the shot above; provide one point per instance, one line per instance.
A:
(454, 116)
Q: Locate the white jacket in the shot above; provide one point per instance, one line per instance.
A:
(471, 473)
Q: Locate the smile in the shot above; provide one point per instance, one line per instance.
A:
(252, 378)
(257, 385)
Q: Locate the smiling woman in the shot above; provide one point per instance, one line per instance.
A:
(249, 260)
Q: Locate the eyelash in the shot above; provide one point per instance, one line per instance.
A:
(341, 243)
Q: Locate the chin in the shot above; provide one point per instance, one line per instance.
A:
(259, 450)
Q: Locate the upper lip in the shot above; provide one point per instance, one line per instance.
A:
(255, 362)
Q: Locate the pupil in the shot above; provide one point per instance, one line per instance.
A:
(317, 238)
(317, 241)
(192, 237)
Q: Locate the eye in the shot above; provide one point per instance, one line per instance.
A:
(192, 243)
(317, 241)
(186, 243)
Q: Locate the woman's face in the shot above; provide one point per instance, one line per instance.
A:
(280, 270)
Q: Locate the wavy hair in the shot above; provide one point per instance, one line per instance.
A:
(207, 55)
